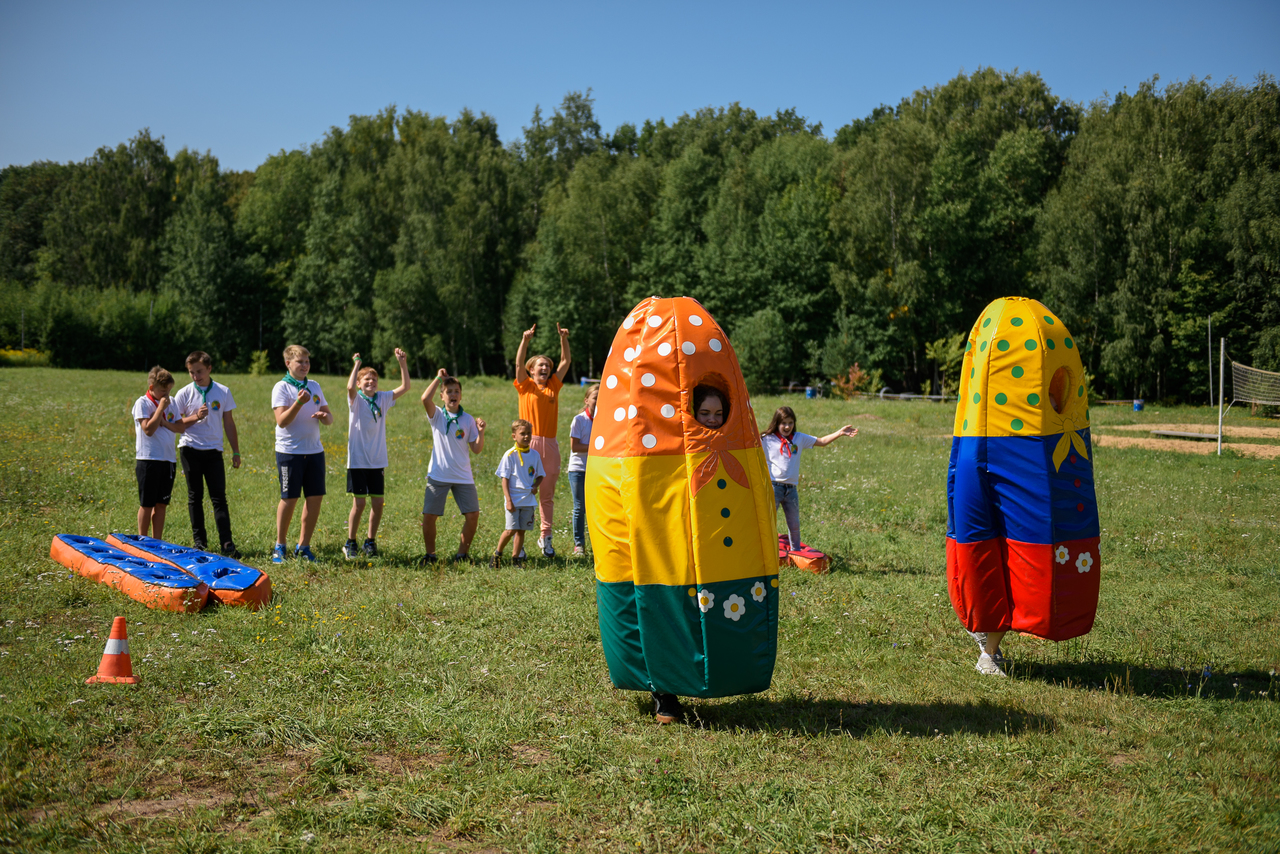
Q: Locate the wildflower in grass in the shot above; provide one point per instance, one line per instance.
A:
(757, 591)
(1060, 554)
(734, 607)
(1084, 563)
(705, 600)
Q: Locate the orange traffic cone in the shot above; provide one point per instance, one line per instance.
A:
(115, 666)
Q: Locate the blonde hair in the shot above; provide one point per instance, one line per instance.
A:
(293, 351)
(159, 376)
(520, 422)
(363, 371)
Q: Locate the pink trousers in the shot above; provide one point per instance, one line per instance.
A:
(549, 450)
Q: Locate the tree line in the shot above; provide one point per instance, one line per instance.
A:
(1135, 218)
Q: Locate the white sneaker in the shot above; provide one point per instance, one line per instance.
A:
(547, 550)
(987, 667)
(579, 551)
(980, 638)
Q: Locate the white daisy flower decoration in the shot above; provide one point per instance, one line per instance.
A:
(1060, 554)
(1084, 563)
(758, 591)
(734, 607)
(706, 599)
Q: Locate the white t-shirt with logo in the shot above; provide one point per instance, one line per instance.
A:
(783, 468)
(367, 436)
(303, 435)
(580, 429)
(451, 440)
(159, 445)
(206, 434)
(521, 468)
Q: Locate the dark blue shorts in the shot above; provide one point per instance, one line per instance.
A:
(366, 482)
(155, 481)
(300, 474)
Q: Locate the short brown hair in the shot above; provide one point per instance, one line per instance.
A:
(293, 351)
(201, 357)
(520, 422)
(159, 376)
(360, 374)
(450, 381)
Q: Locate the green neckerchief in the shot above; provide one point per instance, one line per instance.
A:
(204, 392)
(373, 405)
(300, 385)
(449, 420)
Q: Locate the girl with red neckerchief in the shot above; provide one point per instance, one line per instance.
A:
(782, 447)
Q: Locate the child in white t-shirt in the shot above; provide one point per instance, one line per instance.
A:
(155, 422)
(210, 403)
(521, 472)
(579, 446)
(455, 436)
(300, 409)
(782, 447)
(367, 410)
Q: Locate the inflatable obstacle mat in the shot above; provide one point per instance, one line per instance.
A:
(810, 560)
(230, 581)
(156, 585)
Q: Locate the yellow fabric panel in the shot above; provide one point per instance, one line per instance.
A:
(646, 527)
(1014, 349)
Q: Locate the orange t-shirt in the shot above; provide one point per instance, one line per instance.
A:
(539, 405)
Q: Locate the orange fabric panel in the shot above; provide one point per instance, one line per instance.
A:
(540, 405)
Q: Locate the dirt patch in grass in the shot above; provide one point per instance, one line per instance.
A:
(528, 755)
(1186, 446)
(395, 763)
(1209, 429)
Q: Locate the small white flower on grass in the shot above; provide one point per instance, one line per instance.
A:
(1060, 554)
(757, 591)
(706, 599)
(1084, 563)
(735, 607)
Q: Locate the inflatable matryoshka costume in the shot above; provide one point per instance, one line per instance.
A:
(682, 517)
(1022, 517)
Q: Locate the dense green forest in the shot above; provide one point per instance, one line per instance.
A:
(1134, 218)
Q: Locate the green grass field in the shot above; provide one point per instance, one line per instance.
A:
(388, 708)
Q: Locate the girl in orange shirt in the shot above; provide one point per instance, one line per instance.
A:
(539, 390)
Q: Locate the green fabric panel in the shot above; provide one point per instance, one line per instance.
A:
(656, 638)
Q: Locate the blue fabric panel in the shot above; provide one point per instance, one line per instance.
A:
(1006, 486)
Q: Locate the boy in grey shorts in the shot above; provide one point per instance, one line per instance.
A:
(455, 436)
(521, 472)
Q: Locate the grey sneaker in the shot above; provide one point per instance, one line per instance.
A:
(547, 549)
(987, 666)
(980, 638)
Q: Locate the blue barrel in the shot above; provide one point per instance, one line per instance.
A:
(810, 391)
(1137, 406)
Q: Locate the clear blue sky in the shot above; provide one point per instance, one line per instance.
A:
(246, 80)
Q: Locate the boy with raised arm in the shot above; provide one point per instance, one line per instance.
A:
(521, 472)
(200, 449)
(455, 435)
(300, 409)
(367, 448)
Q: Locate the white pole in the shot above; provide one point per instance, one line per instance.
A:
(1222, 367)
(1211, 360)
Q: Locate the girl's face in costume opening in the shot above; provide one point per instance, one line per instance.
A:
(786, 427)
(711, 413)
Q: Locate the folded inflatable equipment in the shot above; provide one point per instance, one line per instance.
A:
(1022, 516)
(804, 557)
(156, 585)
(682, 517)
(230, 581)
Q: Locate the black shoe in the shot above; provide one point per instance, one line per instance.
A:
(427, 560)
(495, 561)
(667, 708)
(230, 550)
(200, 544)
(370, 548)
(519, 561)
(462, 557)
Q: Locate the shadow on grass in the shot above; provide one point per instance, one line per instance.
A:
(1120, 678)
(801, 716)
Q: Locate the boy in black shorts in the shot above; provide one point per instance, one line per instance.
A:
(157, 459)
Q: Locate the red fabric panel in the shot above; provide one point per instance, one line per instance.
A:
(1054, 587)
(978, 585)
